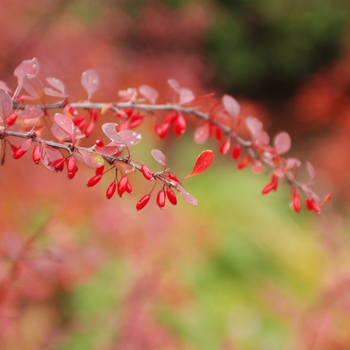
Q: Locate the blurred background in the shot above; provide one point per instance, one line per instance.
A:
(241, 270)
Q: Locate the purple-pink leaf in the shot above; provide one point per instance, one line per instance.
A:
(310, 170)
(149, 92)
(255, 127)
(129, 137)
(202, 163)
(90, 81)
(186, 95)
(67, 125)
(109, 150)
(28, 68)
(186, 196)
(110, 131)
(30, 112)
(4, 87)
(26, 144)
(174, 84)
(5, 104)
(91, 159)
(282, 142)
(127, 95)
(159, 157)
(57, 84)
(48, 156)
(202, 134)
(293, 163)
(54, 93)
(231, 105)
(32, 86)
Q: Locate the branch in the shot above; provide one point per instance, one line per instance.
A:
(219, 119)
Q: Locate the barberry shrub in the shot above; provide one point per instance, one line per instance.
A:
(52, 127)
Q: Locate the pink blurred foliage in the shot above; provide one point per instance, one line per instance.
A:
(125, 54)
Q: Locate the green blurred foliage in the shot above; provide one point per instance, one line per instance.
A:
(265, 48)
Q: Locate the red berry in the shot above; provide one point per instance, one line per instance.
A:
(143, 201)
(170, 118)
(146, 172)
(99, 143)
(296, 205)
(180, 125)
(93, 114)
(135, 121)
(72, 111)
(312, 205)
(122, 185)
(99, 170)
(236, 151)
(171, 196)
(89, 128)
(218, 134)
(36, 155)
(271, 186)
(161, 199)
(59, 164)
(225, 146)
(163, 130)
(18, 153)
(124, 113)
(173, 177)
(94, 180)
(110, 190)
(10, 120)
(244, 162)
(128, 187)
(79, 121)
(71, 167)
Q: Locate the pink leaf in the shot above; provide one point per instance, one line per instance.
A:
(202, 134)
(254, 125)
(174, 84)
(110, 131)
(127, 95)
(48, 156)
(186, 196)
(26, 144)
(32, 86)
(4, 87)
(129, 137)
(293, 163)
(231, 105)
(90, 81)
(5, 104)
(282, 142)
(149, 92)
(186, 95)
(54, 93)
(202, 163)
(30, 112)
(28, 68)
(159, 157)
(67, 125)
(57, 84)
(91, 159)
(311, 171)
(109, 149)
